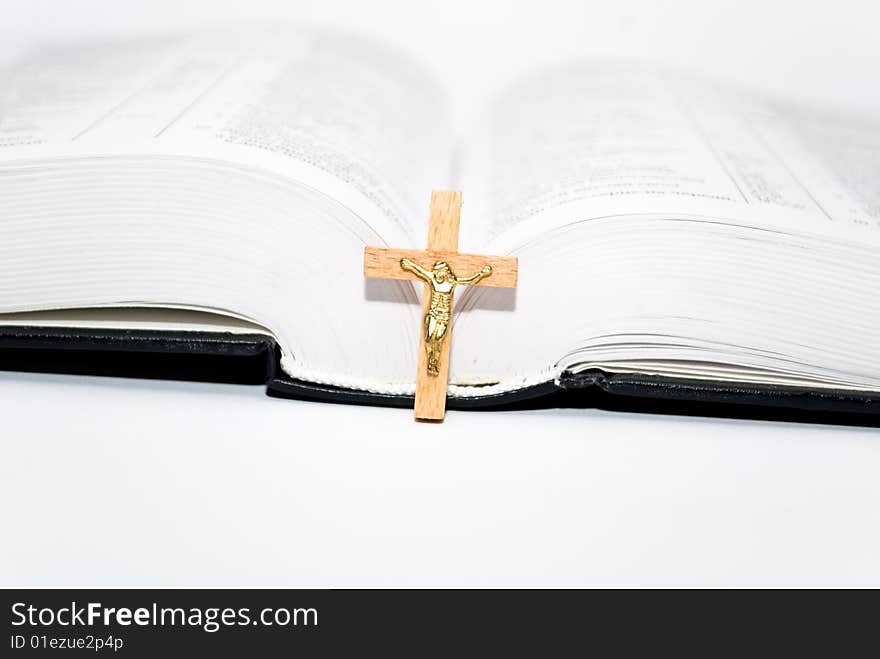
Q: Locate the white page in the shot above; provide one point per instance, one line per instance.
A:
(583, 170)
(349, 118)
(589, 142)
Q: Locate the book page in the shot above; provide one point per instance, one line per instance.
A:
(590, 142)
(347, 117)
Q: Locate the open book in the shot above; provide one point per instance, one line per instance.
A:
(667, 229)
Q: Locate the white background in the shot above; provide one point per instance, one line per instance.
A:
(122, 482)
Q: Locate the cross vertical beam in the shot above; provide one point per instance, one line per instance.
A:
(443, 228)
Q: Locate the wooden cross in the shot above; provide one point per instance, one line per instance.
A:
(440, 267)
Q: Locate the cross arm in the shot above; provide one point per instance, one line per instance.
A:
(384, 263)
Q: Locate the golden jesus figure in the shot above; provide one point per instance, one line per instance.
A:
(443, 281)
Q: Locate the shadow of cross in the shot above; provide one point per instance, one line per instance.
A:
(442, 268)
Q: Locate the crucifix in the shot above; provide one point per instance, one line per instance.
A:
(438, 267)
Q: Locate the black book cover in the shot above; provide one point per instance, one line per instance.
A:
(254, 359)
